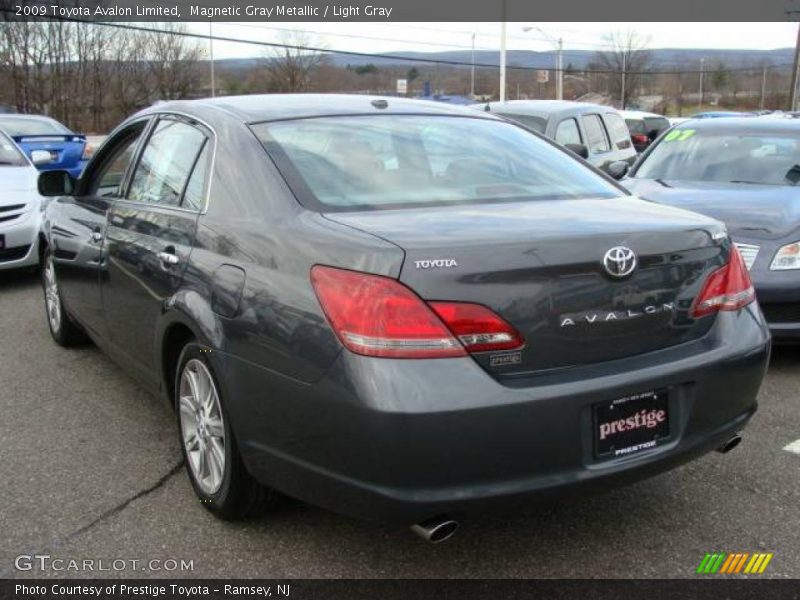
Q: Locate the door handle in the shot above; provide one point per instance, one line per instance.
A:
(97, 237)
(168, 258)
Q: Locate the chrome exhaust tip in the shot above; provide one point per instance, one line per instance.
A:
(730, 444)
(436, 530)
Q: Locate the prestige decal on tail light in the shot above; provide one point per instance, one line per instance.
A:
(374, 315)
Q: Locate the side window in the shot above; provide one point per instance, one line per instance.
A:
(568, 132)
(165, 163)
(106, 181)
(596, 139)
(195, 195)
(618, 130)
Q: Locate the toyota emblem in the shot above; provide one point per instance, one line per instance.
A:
(619, 261)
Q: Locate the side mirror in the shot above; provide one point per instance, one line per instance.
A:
(41, 157)
(56, 183)
(578, 149)
(618, 169)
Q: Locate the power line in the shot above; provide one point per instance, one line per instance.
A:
(390, 57)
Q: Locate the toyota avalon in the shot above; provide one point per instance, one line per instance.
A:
(398, 310)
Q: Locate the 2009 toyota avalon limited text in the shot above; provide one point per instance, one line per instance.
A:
(401, 311)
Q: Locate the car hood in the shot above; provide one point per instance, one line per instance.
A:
(752, 211)
(15, 182)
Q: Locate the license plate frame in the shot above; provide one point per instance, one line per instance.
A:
(630, 424)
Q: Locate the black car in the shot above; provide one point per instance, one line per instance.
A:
(398, 310)
(644, 127)
(743, 172)
(594, 132)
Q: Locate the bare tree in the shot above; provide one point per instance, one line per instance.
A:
(290, 68)
(625, 61)
(174, 61)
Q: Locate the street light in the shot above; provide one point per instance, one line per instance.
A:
(700, 100)
(559, 44)
(472, 72)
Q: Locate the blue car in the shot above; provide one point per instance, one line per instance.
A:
(68, 151)
(718, 114)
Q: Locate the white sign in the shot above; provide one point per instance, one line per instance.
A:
(402, 86)
(542, 76)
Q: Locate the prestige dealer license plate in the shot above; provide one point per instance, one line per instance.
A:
(631, 424)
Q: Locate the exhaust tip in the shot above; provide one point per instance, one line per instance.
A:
(436, 530)
(730, 444)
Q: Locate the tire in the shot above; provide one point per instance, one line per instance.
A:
(65, 331)
(213, 462)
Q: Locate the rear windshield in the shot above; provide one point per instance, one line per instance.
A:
(657, 124)
(22, 126)
(397, 161)
(741, 157)
(9, 154)
(538, 124)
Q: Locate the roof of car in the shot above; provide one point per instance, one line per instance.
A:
(273, 107)
(734, 124)
(640, 114)
(543, 108)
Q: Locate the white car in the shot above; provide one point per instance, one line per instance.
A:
(20, 206)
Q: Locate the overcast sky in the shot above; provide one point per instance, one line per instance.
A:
(434, 37)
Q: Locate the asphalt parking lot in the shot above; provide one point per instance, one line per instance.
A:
(91, 469)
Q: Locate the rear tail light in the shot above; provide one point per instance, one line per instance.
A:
(378, 316)
(640, 138)
(727, 288)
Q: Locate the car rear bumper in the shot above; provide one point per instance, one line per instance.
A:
(21, 238)
(403, 441)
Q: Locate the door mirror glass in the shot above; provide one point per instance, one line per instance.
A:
(41, 157)
(618, 169)
(578, 149)
(56, 183)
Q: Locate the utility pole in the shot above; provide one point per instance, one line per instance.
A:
(472, 71)
(700, 100)
(503, 54)
(793, 91)
(560, 73)
(763, 87)
(211, 53)
(622, 86)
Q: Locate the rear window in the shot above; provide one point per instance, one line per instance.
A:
(596, 138)
(538, 124)
(636, 126)
(393, 161)
(17, 126)
(656, 124)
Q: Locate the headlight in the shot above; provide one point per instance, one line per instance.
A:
(786, 258)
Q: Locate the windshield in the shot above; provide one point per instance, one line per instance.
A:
(9, 154)
(396, 161)
(714, 156)
(26, 126)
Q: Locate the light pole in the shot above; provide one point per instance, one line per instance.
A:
(472, 71)
(559, 44)
(700, 100)
(503, 56)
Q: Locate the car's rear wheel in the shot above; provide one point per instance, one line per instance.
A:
(63, 329)
(217, 473)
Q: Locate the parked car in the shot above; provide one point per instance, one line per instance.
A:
(20, 206)
(399, 310)
(67, 150)
(594, 132)
(720, 114)
(644, 127)
(743, 172)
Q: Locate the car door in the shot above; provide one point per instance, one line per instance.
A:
(597, 141)
(78, 225)
(149, 235)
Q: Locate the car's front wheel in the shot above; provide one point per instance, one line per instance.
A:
(63, 329)
(218, 475)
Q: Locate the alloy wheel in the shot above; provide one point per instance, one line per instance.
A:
(51, 295)
(202, 426)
